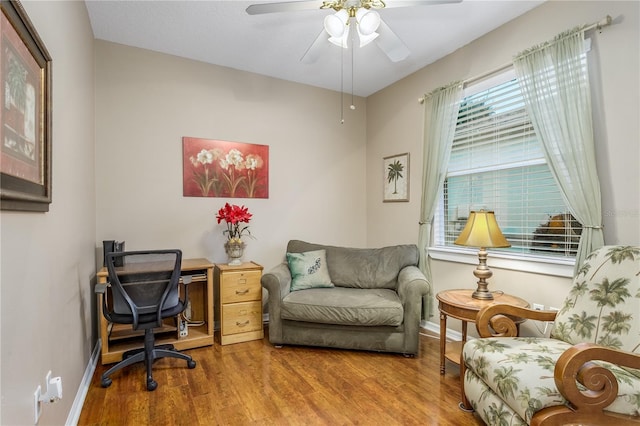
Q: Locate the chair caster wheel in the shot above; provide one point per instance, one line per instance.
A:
(191, 364)
(151, 385)
(106, 382)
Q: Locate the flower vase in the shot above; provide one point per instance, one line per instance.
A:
(235, 250)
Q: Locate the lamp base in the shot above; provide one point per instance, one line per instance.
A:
(483, 273)
(482, 294)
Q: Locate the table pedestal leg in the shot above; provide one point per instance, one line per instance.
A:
(443, 339)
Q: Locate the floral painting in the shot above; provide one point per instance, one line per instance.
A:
(214, 168)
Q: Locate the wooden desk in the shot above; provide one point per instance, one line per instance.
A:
(459, 304)
(119, 338)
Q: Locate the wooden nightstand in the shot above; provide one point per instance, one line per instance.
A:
(239, 302)
(459, 304)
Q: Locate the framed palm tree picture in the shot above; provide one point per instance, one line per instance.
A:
(396, 178)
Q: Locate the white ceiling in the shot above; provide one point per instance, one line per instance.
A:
(222, 33)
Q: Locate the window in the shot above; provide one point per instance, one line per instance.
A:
(497, 163)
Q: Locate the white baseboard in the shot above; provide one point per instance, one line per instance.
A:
(81, 394)
(435, 328)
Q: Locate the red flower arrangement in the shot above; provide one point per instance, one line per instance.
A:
(235, 216)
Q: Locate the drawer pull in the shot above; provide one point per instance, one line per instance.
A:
(242, 324)
(242, 292)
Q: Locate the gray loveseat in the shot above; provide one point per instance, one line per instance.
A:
(375, 303)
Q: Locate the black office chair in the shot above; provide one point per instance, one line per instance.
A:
(145, 290)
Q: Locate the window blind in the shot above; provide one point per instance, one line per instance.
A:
(497, 163)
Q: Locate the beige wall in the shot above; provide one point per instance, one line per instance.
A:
(146, 102)
(47, 260)
(395, 120)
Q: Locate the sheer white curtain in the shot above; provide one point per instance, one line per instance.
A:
(440, 115)
(555, 84)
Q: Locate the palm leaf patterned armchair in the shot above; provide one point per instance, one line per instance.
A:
(586, 373)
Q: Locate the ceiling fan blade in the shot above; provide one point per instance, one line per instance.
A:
(313, 52)
(409, 3)
(287, 6)
(391, 44)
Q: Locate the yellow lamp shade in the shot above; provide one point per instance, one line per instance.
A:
(482, 230)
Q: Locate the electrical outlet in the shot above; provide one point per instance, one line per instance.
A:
(538, 307)
(37, 405)
(183, 329)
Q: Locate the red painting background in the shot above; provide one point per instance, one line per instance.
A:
(215, 168)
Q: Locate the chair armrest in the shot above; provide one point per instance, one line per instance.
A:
(500, 319)
(586, 405)
(412, 284)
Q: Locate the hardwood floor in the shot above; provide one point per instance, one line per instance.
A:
(254, 383)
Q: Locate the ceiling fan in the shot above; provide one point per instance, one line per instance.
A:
(338, 27)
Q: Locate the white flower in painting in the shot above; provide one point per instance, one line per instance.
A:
(234, 157)
(205, 157)
(253, 162)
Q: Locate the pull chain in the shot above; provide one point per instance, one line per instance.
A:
(353, 70)
(341, 85)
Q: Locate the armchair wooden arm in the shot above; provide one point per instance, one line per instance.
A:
(575, 365)
(500, 320)
(586, 407)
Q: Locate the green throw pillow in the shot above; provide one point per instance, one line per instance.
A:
(309, 270)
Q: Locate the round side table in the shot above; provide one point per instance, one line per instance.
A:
(460, 305)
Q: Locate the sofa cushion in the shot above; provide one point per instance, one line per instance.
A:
(344, 306)
(520, 371)
(360, 267)
(308, 270)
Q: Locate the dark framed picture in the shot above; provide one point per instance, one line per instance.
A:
(25, 117)
(396, 178)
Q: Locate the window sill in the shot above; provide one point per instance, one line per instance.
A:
(529, 263)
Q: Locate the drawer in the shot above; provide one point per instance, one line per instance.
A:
(241, 286)
(241, 317)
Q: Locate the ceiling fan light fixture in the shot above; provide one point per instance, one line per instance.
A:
(368, 21)
(367, 38)
(336, 24)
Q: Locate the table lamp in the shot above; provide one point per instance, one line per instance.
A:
(482, 231)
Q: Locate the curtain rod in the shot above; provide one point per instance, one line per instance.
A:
(604, 22)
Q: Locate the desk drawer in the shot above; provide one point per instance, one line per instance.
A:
(241, 317)
(241, 286)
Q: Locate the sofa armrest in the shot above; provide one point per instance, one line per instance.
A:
(412, 287)
(412, 284)
(500, 319)
(600, 386)
(277, 281)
